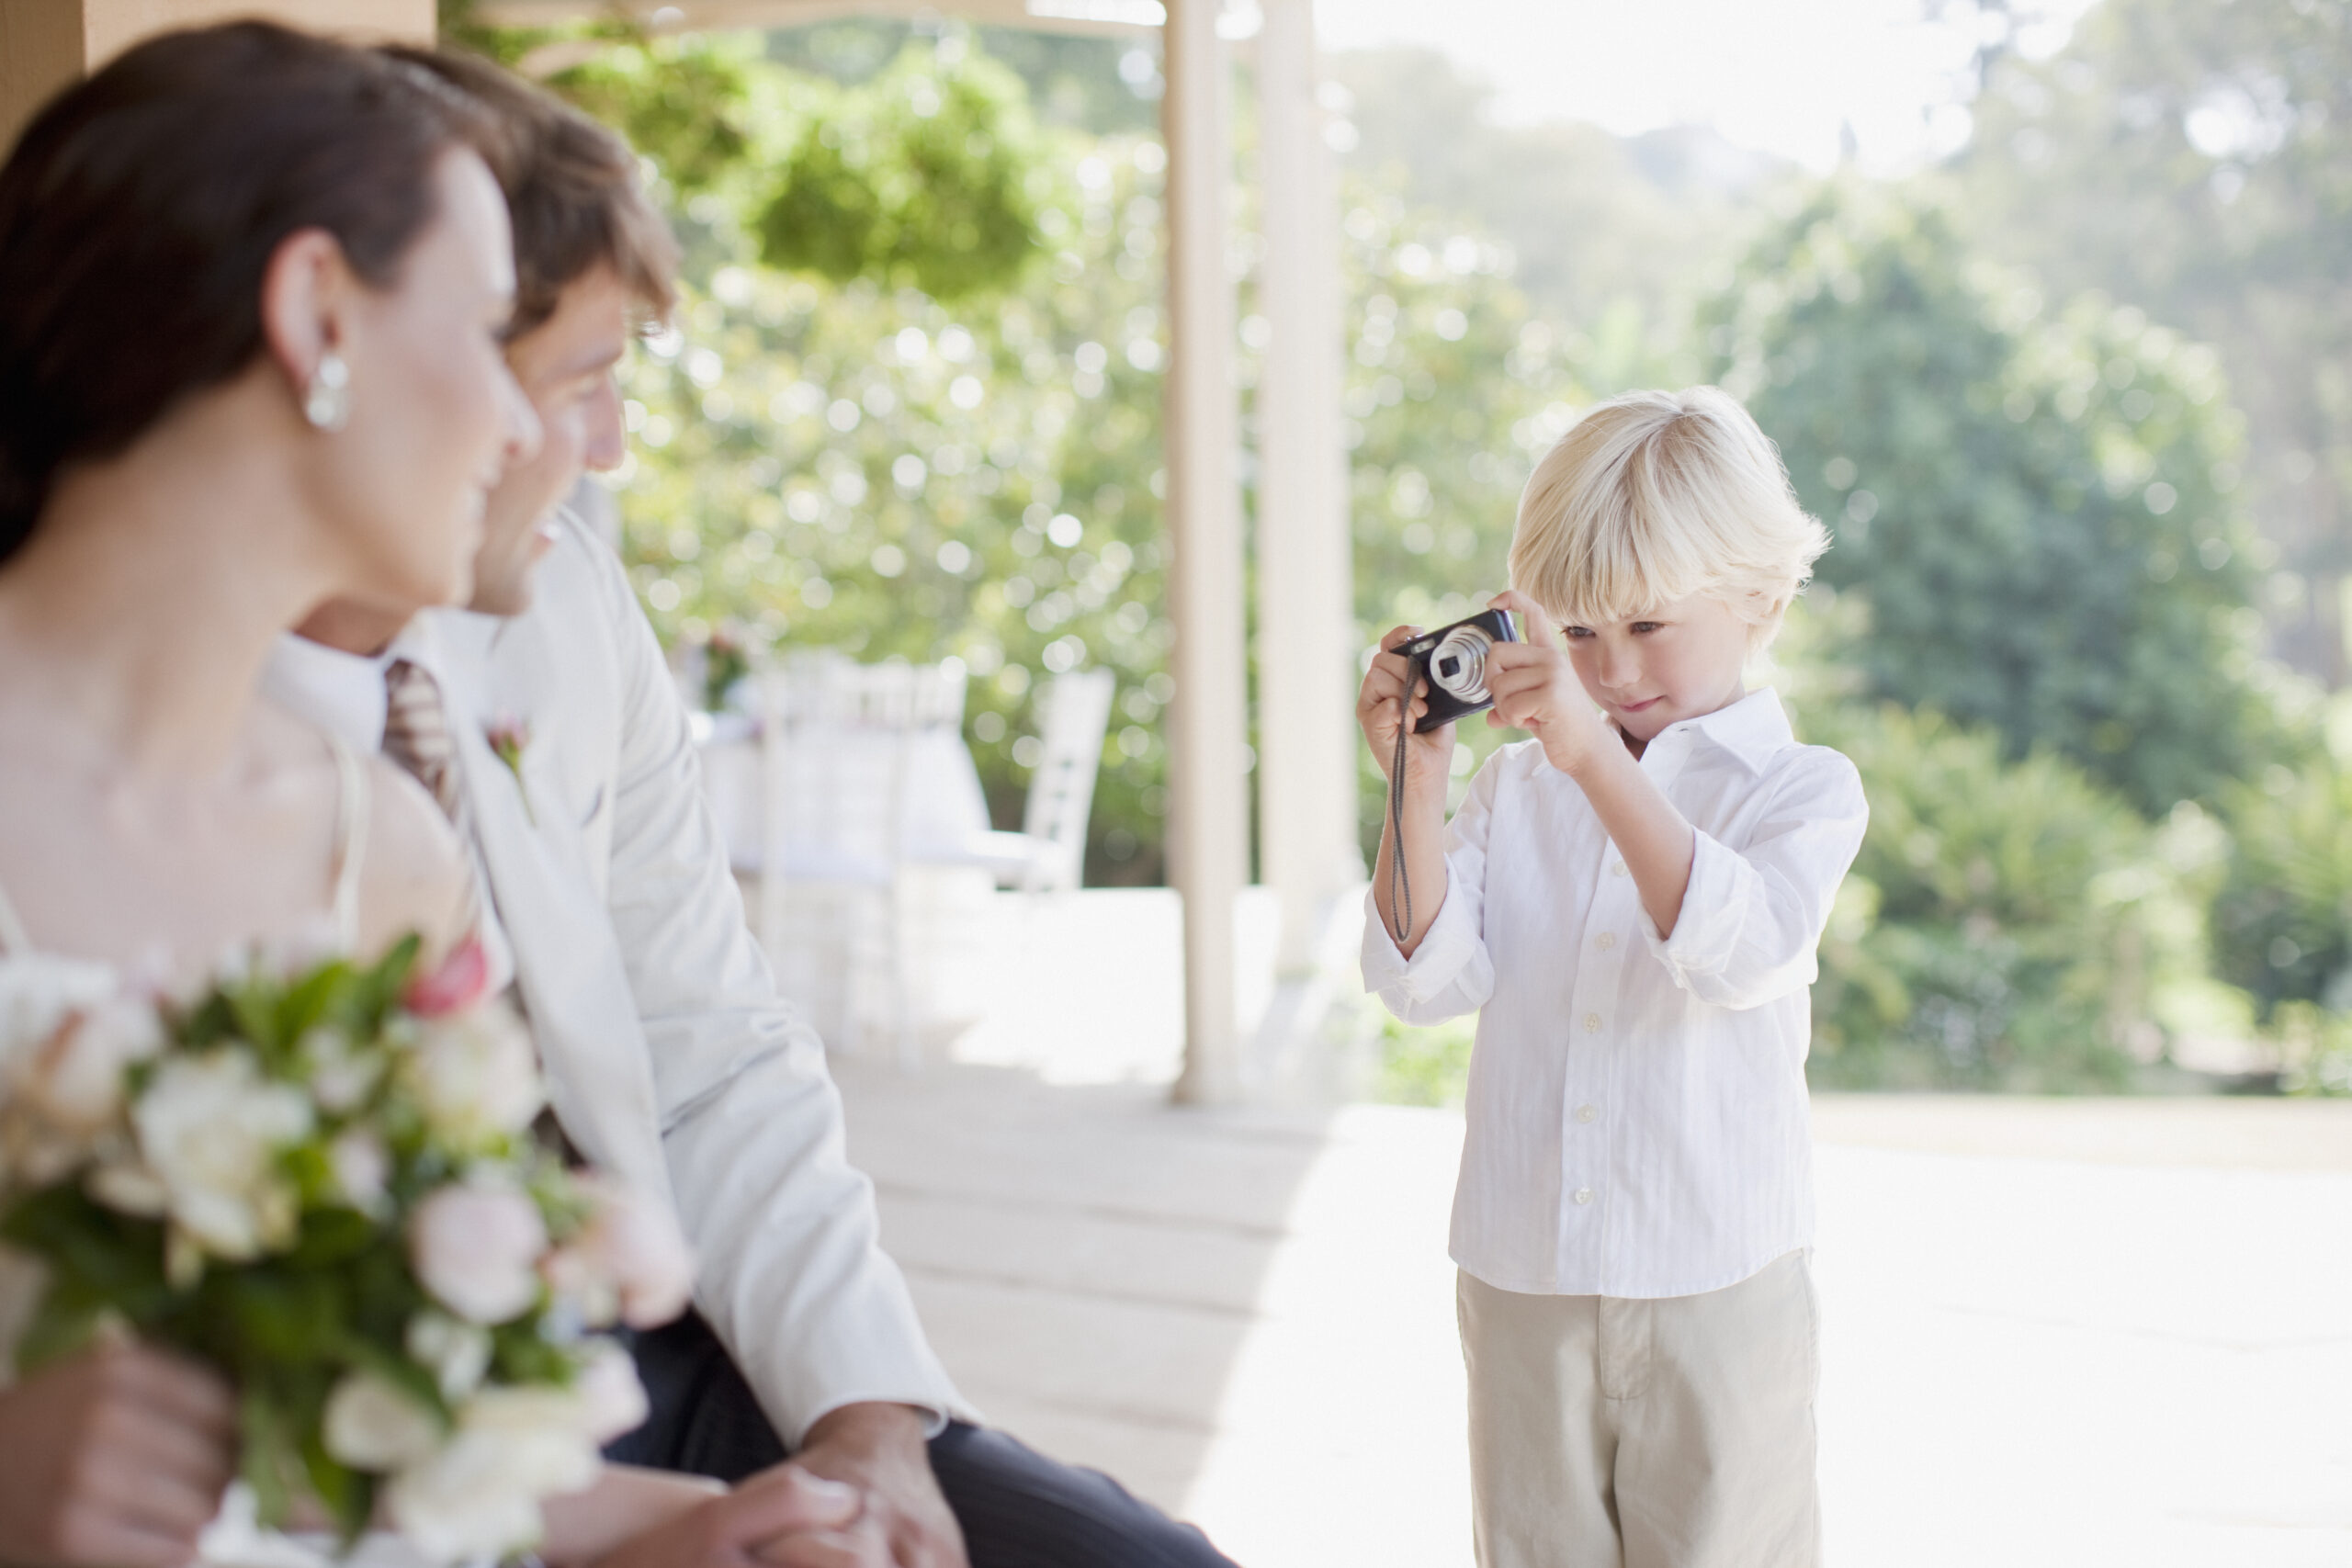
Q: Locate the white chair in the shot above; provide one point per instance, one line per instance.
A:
(837, 744)
(1049, 855)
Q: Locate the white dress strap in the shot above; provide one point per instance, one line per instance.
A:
(13, 935)
(352, 802)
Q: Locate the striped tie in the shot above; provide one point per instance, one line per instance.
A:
(416, 736)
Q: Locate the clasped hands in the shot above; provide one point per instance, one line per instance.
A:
(1534, 686)
(119, 1455)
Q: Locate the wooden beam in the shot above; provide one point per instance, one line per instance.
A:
(44, 44)
(40, 50)
(1307, 672)
(1110, 17)
(1208, 793)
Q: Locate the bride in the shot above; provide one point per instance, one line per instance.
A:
(252, 289)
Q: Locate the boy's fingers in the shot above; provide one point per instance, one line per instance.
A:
(1533, 623)
(1507, 681)
(1397, 634)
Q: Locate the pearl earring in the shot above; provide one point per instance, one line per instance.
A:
(326, 402)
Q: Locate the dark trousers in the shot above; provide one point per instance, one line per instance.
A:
(1018, 1509)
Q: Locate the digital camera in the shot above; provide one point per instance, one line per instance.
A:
(1452, 662)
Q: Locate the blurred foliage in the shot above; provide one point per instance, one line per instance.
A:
(2195, 160)
(1424, 1066)
(2035, 503)
(2007, 925)
(922, 176)
(926, 173)
(1104, 87)
(2283, 920)
(685, 102)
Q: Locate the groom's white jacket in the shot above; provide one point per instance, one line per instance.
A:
(669, 1058)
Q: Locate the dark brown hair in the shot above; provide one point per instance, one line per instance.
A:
(140, 210)
(572, 190)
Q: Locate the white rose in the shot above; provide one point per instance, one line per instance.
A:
(210, 1129)
(340, 1074)
(612, 1399)
(458, 1353)
(75, 1077)
(68, 1031)
(37, 992)
(475, 1074)
(476, 1247)
(361, 1166)
(374, 1425)
(630, 1260)
(478, 1497)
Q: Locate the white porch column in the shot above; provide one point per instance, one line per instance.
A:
(1307, 675)
(1208, 795)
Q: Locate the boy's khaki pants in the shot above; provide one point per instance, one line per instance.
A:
(1674, 1433)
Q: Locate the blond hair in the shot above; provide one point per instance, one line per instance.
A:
(1657, 496)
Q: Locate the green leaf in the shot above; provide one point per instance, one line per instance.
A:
(270, 1457)
(349, 1495)
(332, 1237)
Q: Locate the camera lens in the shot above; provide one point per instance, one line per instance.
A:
(1458, 665)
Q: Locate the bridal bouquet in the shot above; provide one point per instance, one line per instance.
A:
(322, 1179)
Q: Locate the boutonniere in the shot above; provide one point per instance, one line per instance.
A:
(509, 739)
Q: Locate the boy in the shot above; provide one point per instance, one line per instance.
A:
(1633, 899)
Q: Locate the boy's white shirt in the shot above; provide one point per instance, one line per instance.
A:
(672, 1060)
(1638, 1123)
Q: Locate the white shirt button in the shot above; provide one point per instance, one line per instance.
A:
(1592, 1023)
(1605, 941)
(1617, 868)
(1586, 1112)
(1584, 1195)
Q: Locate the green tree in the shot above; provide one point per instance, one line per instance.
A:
(2195, 159)
(2283, 921)
(2034, 502)
(2007, 925)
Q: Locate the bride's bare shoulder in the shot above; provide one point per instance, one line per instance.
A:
(413, 874)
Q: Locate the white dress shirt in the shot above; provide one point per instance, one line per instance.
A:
(340, 693)
(1638, 1124)
(344, 695)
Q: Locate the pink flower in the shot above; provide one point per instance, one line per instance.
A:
(462, 979)
(509, 739)
(476, 1248)
(630, 1260)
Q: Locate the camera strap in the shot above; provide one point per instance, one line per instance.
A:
(1400, 884)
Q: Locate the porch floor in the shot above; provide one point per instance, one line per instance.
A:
(2055, 1333)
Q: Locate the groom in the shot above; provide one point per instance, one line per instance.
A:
(546, 722)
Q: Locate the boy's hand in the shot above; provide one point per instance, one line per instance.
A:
(1429, 755)
(1536, 688)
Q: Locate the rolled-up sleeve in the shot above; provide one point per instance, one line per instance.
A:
(1753, 914)
(1450, 973)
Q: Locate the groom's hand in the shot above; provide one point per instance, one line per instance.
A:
(880, 1449)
